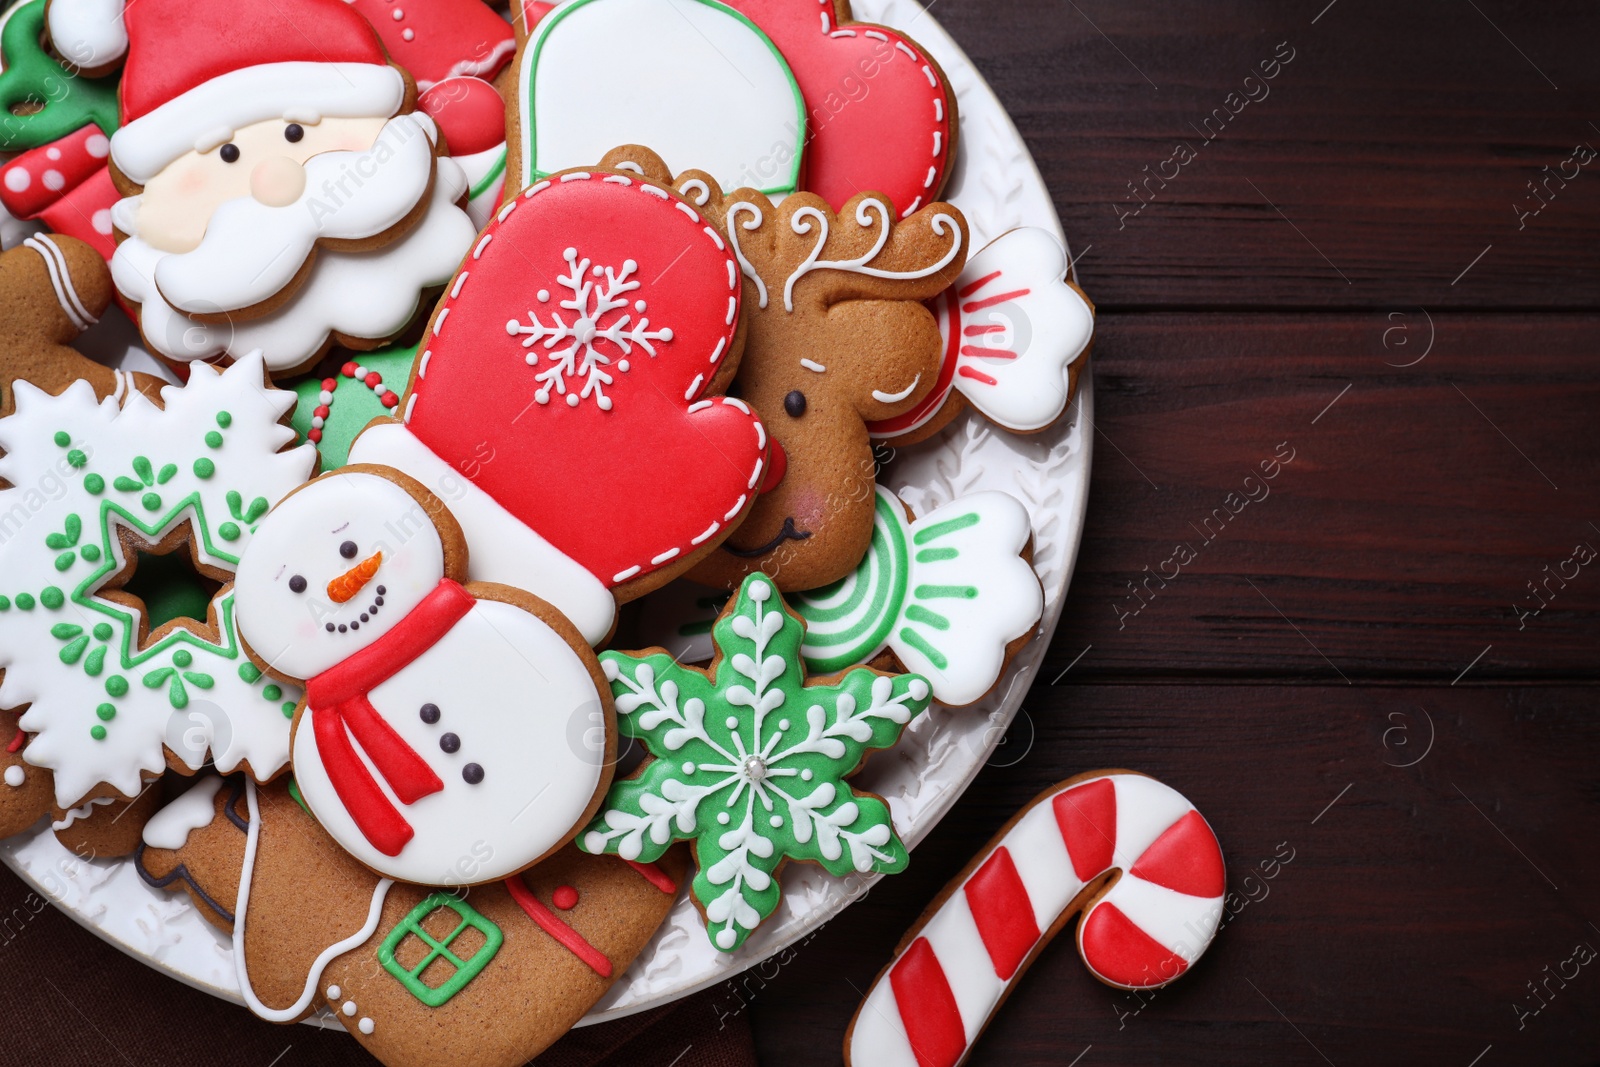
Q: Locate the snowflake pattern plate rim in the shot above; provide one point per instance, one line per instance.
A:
(997, 185)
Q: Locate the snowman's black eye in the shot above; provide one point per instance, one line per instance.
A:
(348, 550)
(297, 584)
(229, 153)
(293, 132)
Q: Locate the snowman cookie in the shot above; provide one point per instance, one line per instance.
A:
(450, 733)
(280, 190)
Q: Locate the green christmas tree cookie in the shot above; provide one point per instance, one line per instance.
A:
(749, 762)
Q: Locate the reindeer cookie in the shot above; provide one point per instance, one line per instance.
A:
(479, 707)
(53, 288)
(839, 338)
(498, 973)
(281, 191)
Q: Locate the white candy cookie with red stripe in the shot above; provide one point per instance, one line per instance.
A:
(1133, 855)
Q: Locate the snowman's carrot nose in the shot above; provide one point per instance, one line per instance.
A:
(350, 582)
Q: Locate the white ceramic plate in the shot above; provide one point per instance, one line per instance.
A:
(997, 186)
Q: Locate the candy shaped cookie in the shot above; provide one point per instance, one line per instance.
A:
(657, 54)
(281, 192)
(1129, 853)
(566, 404)
(839, 337)
(403, 968)
(52, 289)
(435, 713)
(1016, 332)
(750, 761)
(118, 686)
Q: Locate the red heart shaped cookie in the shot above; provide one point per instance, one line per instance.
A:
(573, 350)
(881, 114)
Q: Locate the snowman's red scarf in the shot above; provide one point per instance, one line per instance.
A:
(337, 699)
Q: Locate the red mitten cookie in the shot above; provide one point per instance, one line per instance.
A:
(565, 403)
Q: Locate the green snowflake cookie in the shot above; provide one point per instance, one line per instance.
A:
(749, 763)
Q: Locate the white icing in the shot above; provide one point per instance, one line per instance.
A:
(500, 548)
(89, 33)
(895, 398)
(519, 699)
(366, 1026)
(810, 219)
(879, 1037)
(82, 811)
(15, 776)
(251, 251)
(170, 827)
(239, 97)
(1040, 855)
(1146, 808)
(374, 913)
(231, 717)
(954, 936)
(359, 294)
(61, 280)
(600, 73)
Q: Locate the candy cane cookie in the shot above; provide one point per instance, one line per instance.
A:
(1133, 855)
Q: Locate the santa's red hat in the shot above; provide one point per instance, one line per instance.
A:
(197, 70)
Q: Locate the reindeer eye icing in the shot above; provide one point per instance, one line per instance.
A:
(795, 404)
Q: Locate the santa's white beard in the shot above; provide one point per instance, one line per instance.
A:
(371, 294)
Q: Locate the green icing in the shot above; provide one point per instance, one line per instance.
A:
(751, 763)
(850, 621)
(462, 971)
(63, 102)
(354, 403)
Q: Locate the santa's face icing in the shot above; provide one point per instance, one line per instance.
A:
(333, 568)
(264, 161)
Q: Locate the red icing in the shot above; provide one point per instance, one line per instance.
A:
(1185, 858)
(569, 938)
(653, 874)
(72, 165)
(175, 45)
(621, 491)
(928, 1007)
(337, 699)
(565, 897)
(1120, 952)
(469, 112)
(884, 139)
(75, 213)
(1002, 912)
(18, 741)
(972, 287)
(1087, 815)
(448, 37)
(988, 302)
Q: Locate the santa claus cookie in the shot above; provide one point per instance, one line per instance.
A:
(494, 975)
(696, 80)
(1016, 332)
(839, 337)
(280, 190)
(1130, 854)
(566, 402)
(122, 678)
(439, 718)
(51, 290)
(750, 761)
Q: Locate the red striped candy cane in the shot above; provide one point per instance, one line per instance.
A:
(1129, 852)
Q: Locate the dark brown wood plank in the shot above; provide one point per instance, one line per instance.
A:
(1403, 930)
(1400, 541)
(1376, 165)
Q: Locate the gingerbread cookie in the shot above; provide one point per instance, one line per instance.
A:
(881, 114)
(656, 54)
(51, 290)
(108, 826)
(473, 703)
(1016, 332)
(839, 337)
(750, 761)
(566, 403)
(281, 192)
(1130, 854)
(118, 688)
(439, 39)
(401, 965)
(950, 596)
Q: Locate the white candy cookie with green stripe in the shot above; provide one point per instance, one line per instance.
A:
(951, 596)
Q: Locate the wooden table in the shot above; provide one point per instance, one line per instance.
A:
(1352, 670)
(1353, 667)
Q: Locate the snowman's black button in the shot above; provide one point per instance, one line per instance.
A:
(472, 773)
(450, 742)
(430, 713)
